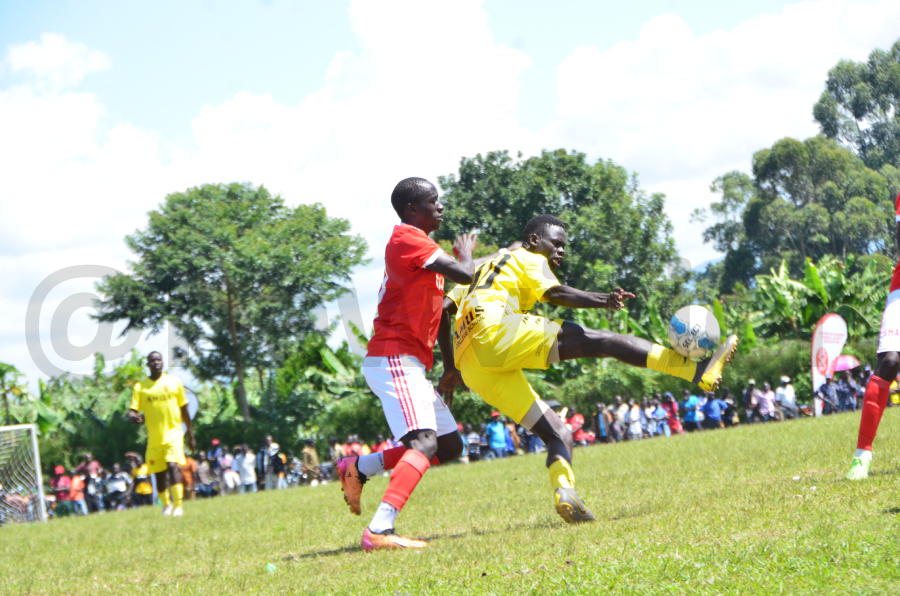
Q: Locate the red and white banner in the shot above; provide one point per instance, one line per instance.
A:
(828, 340)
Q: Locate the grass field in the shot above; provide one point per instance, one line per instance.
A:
(711, 513)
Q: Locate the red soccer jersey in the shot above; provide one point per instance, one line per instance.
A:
(895, 279)
(410, 299)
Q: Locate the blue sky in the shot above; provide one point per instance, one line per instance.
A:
(105, 107)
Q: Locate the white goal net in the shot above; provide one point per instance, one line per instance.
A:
(21, 482)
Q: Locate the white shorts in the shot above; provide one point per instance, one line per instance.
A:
(889, 338)
(407, 396)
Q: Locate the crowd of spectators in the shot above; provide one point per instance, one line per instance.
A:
(220, 470)
(662, 415)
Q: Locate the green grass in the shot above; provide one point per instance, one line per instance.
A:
(710, 513)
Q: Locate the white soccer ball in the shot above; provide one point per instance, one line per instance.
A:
(694, 332)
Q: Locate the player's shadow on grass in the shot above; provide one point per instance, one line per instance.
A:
(888, 472)
(894, 510)
(325, 553)
(433, 537)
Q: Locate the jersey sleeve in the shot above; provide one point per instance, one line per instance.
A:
(457, 294)
(537, 273)
(897, 202)
(414, 249)
(136, 398)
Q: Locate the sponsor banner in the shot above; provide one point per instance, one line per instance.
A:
(828, 341)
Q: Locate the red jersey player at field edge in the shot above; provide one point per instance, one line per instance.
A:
(409, 313)
(878, 389)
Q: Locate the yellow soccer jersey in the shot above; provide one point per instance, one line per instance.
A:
(160, 401)
(509, 284)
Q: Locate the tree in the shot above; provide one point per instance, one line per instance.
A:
(860, 107)
(617, 234)
(737, 189)
(10, 378)
(815, 199)
(237, 272)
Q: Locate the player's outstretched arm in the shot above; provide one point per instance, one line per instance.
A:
(571, 298)
(463, 271)
(451, 378)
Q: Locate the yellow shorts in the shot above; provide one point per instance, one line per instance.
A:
(492, 363)
(159, 457)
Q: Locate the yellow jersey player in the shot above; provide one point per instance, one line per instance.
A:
(160, 401)
(494, 338)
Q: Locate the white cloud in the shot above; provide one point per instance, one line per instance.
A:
(428, 85)
(56, 60)
(411, 102)
(681, 109)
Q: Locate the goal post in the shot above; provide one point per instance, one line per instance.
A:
(21, 481)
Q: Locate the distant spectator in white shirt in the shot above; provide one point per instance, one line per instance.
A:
(767, 403)
(245, 466)
(784, 396)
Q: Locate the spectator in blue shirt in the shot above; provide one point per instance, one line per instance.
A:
(712, 410)
(662, 418)
(828, 394)
(691, 403)
(496, 435)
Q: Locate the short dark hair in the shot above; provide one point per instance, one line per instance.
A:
(410, 190)
(539, 224)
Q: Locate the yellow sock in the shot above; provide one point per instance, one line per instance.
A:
(671, 362)
(164, 497)
(177, 494)
(561, 474)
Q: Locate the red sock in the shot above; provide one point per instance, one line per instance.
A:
(406, 476)
(874, 402)
(392, 456)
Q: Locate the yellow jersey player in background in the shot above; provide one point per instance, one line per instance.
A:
(494, 338)
(160, 401)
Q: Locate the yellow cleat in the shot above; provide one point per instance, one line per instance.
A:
(389, 541)
(570, 506)
(709, 371)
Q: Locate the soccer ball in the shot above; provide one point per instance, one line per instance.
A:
(694, 332)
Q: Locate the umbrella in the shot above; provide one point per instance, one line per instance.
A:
(845, 363)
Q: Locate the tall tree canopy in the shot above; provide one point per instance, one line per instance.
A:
(618, 235)
(815, 199)
(237, 272)
(860, 107)
(807, 199)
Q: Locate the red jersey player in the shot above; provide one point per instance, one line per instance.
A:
(409, 313)
(887, 366)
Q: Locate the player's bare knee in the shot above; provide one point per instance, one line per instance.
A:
(449, 447)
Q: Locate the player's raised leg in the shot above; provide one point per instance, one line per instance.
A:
(575, 341)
